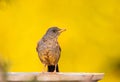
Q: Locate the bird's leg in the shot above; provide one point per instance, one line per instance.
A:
(55, 68)
(43, 71)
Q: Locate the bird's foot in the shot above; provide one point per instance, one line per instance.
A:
(54, 71)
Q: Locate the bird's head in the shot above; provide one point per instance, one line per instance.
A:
(54, 32)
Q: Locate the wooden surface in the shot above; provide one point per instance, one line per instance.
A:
(28, 76)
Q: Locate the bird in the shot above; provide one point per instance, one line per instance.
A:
(49, 49)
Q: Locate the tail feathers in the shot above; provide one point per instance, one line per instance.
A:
(51, 68)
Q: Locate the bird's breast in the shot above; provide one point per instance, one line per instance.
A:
(49, 52)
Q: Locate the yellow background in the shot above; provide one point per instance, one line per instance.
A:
(90, 44)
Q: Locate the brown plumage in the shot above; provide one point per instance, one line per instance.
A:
(48, 48)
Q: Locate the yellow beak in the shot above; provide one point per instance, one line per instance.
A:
(62, 30)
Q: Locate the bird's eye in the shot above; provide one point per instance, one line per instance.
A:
(54, 31)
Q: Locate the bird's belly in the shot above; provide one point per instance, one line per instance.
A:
(48, 59)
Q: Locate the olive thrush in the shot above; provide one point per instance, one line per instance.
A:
(49, 50)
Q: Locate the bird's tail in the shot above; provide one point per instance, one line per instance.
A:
(51, 68)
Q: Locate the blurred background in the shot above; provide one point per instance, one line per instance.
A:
(90, 44)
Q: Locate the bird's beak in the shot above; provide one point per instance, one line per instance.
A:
(61, 30)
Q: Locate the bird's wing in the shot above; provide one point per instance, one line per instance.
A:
(39, 44)
(58, 52)
(59, 48)
(37, 47)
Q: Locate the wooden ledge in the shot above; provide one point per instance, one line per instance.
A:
(28, 76)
